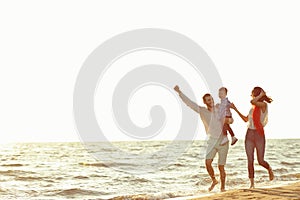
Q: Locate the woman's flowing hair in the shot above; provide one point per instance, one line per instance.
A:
(257, 90)
(256, 111)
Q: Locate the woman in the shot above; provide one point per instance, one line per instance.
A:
(255, 137)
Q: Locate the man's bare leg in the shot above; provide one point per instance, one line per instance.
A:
(211, 173)
(222, 177)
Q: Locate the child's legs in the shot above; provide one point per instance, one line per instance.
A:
(230, 131)
(227, 128)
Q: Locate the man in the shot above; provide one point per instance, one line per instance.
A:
(213, 128)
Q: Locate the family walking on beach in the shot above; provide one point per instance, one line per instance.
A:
(217, 119)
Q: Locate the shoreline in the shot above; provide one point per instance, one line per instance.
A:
(277, 192)
(290, 191)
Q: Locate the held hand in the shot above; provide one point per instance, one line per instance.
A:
(244, 118)
(176, 88)
(233, 106)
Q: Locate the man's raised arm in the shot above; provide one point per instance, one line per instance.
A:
(187, 101)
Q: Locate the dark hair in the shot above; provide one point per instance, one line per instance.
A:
(206, 95)
(224, 88)
(256, 91)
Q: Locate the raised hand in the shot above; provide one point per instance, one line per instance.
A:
(176, 88)
(262, 93)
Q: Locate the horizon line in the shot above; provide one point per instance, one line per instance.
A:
(116, 141)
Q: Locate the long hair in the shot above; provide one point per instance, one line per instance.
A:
(257, 111)
(257, 90)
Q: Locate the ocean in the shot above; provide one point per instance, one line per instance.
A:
(120, 170)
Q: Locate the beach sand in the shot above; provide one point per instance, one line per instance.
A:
(291, 191)
(282, 192)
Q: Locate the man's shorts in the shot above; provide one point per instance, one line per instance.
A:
(214, 147)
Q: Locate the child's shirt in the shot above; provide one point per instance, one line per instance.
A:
(224, 108)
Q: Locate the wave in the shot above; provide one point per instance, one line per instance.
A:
(106, 164)
(132, 179)
(141, 180)
(280, 170)
(77, 191)
(178, 165)
(81, 177)
(3, 190)
(12, 165)
(236, 181)
(29, 178)
(94, 164)
(159, 196)
(289, 163)
(146, 197)
(288, 177)
(16, 172)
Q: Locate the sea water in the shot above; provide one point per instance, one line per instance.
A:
(153, 169)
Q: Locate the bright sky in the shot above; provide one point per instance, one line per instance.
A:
(43, 45)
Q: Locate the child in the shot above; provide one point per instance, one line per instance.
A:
(226, 116)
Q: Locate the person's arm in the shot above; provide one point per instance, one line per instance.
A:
(187, 101)
(244, 118)
(255, 101)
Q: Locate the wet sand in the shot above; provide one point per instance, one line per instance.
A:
(282, 192)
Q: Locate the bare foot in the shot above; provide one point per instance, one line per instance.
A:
(251, 183)
(271, 174)
(214, 183)
(223, 190)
